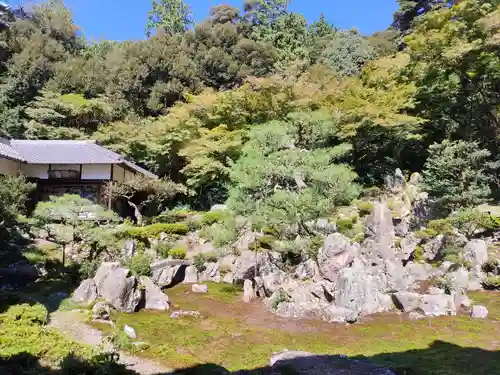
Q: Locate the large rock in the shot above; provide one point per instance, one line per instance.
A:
(154, 298)
(117, 288)
(407, 246)
(437, 305)
(129, 249)
(311, 364)
(337, 314)
(337, 253)
(248, 291)
(248, 265)
(191, 275)
(169, 275)
(274, 281)
(432, 247)
(407, 301)
(476, 252)
(101, 311)
(307, 270)
(419, 271)
(379, 234)
(199, 288)
(86, 293)
(211, 273)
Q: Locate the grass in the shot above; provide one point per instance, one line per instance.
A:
(244, 336)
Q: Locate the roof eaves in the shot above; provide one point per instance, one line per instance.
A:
(136, 168)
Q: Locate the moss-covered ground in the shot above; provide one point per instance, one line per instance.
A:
(243, 336)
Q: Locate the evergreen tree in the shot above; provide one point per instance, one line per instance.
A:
(169, 16)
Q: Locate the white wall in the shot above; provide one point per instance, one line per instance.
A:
(9, 167)
(35, 170)
(96, 172)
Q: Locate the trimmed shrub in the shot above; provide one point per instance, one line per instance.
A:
(140, 265)
(418, 255)
(174, 216)
(426, 233)
(26, 315)
(365, 207)
(344, 225)
(492, 283)
(491, 266)
(163, 249)
(441, 226)
(154, 231)
(177, 253)
(359, 237)
(212, 217)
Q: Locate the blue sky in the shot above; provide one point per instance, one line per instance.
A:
(125, 19)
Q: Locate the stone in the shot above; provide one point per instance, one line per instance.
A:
(307, 270)
(129, 249)
(479, 312)
(415, 315)
(86, 293)
(401, 227)
(190, 275)
(337, 314)
(101, 311)
(199, 288)
(461, 300)
(228, 278)
(416, 178)
(211, 273)
(379, 234)
(434, 290)
(183, 313)
(476, 252)
(337, 253)
(117, 288)
(459, 278)
(129, 331)
(437, 305)
(312, 364)
(432, 247)
(407, 246)
(154, 297)
(248, 291)
(407, 301)
(419, 271)
(218, 207)
(248, 265)
(170, 274)
(274, 281)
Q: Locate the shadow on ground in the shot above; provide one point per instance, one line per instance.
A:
(440, 358)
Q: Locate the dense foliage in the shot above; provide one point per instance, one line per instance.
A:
(285, 118)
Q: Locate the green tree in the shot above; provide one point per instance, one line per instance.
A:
(458, 174)
(411, 9)
(169, 16)
(63, 218)
(289, 173)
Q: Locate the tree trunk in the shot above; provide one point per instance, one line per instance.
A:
(63, 257)
(137, 213)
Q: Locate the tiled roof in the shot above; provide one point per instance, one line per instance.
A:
(64, 152)
(8, 152)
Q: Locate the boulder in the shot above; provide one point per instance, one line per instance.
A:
(170, 274)
(336, 314)
(401, 227)
(129, 249)
(274, 281)
(86, 293)
(407, 246)
(415, 315)
(117, 288)
(479, 312)
(437, 305)
(248, 291)
(154, 298)
(218, 207)
(199, 288)
(247, 265)
(191, 275)
(476, 252)
(379, 234)
(129, 331)
(419, 271)
(337, 253)
(407, 301)
(101, 311)
(211, 273)
(311, 364)
(228, 278)
(416, 178)
(459, 278)
(300, 300)
(461, 300)
(432, 247)
(307, 270)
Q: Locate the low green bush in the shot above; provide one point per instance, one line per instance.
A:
(344, 225)
(212, 217)
(25, 315)
(441, 226)
(163, 249)
(177, 253)
(492, 283)
(140, 265)
(154, 230)
(426, 233)
(313, 246)
(491, 266)
(173, 216)
(418, 255)
(365, 207)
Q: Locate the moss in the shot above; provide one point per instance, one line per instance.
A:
(177, 253)
(212, 217)
(426, 234)
(418, 255)
(365, 207)
(344, 225)
(441, 226)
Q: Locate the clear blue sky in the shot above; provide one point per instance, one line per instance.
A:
(125, 19)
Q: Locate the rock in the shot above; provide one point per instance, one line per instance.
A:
(218, 207)
(337, 253)
(140, 345)
(114, 285)
(86, 293)
(322, 226)
(479, 312)
(244, 241)
(248, 265)
(401, 227)
(199, 288)
(407, 301)
(379, 234)
(339, 315)
(459, 279)
(129, 331)
(416, 178)
(101, 311)
(211, 273)
(419, 271)
(437, 305)
(171, 274)
(248, 291)
(25, 270)
(432, 247)
(476, 252)
(434, 290)
(191, 275)
(407, 246)
(311, 364)
(274, 281)
(183, 313)
(307, 270)
(415, 315)
(154, 298)
(228, 278)
(461, 300)
(129, 249)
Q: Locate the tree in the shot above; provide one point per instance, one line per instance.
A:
(169, 16)
(411, 9)
(14, 193)
(458, 174)
(289, 173)
(321, 28)
(142, 192)
(63, 218)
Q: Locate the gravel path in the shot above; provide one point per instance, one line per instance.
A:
(67, 322)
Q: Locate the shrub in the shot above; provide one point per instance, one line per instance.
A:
(199, 261)
(365, 207)
(88, 268)
(212, 217)
(163, 249)
(344, 225)
(450, 253)
(279, 297)
(372, 192)
(418, 255)
(173, 216)
(224, 233)
(492, 283)
(441, 226)
(426, 233)
(154, 231)
(140, 265)
(446, 283)
(26, 314)
(471, 221)
(314, 245)
(491, 266)
(177, 253)
(359, 237)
